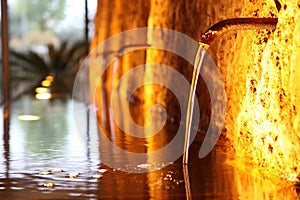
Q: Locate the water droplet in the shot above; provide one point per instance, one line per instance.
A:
(48, 184)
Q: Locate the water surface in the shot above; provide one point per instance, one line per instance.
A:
(47, 159)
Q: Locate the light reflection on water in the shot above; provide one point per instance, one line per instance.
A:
(47, 160)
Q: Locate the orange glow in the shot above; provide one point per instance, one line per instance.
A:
(49, 78)
(41, 90)
(46, 83)
(28, 117)
(267, 132)
(43, 96)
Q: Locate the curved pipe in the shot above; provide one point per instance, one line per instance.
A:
(208, 38)
(217, 30)
(236, 24)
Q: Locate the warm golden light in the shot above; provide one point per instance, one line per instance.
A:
(41, 90)
(49, 184)
(261, 70)
(28, 117)
(49, 78)
(46, 83)
(43, 96)
(267, 132)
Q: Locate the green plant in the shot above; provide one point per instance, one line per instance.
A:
(62, 63)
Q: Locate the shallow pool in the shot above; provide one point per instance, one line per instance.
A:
(48, 159)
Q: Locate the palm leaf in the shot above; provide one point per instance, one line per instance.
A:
(75, 53)
(29, 61)
(62, 62)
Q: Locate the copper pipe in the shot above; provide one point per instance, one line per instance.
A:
(217, 30)
(236, 24)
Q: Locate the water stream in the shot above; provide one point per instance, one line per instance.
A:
(189, 116)
(46, 160)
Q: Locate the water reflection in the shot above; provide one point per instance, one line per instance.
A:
(47, 160)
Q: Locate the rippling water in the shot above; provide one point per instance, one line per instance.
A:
(46, 159)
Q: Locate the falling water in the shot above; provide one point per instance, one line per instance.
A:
(189, 115)
(205, 41)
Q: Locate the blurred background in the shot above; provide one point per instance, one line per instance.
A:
(42, 154)
(47, 40)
